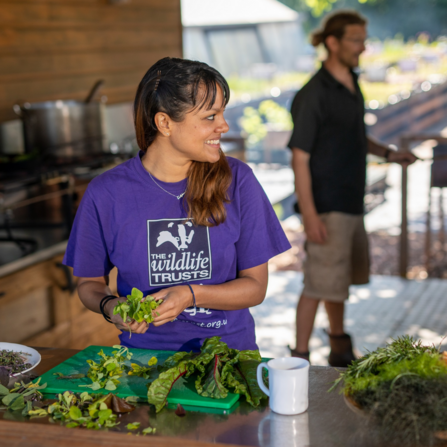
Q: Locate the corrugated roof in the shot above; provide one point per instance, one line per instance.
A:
(234, 12)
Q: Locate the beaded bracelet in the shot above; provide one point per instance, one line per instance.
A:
(193, 296)
(102, 304)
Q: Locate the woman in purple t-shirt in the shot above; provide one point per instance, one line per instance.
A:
(180, 221)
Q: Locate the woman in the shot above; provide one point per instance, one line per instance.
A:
(180, 221)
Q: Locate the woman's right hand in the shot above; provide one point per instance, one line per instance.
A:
(127, 326)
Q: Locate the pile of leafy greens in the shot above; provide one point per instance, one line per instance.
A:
(92, 411)
(107, 372)
(218, 369)
(136, 308)
(403, 388)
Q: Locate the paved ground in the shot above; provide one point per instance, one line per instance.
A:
(384, 309)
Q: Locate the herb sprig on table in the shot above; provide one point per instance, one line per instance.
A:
(143, 371)
(403, 388)
(219, 369)
(108, 371)
(135, 308)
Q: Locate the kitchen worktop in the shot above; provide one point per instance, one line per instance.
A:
(328, 422)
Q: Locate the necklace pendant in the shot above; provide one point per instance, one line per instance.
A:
(181, 195)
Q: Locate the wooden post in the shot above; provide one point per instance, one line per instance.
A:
(403, 264)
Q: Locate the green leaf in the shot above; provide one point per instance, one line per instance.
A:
(148, 430)
(111, 367)
(75, 413)
(160, 388)
(7, 400)
(152, 361)
(110, 386)
(3, 390)
(137, 293)
(72, 424)
(133, 426)
(17, 404)
(38, 412)
(28, 408)
(213, 385)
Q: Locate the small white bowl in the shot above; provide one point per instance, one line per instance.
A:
(33, 357)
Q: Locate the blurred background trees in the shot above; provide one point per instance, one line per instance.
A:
(387, 18)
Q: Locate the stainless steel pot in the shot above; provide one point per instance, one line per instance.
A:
(63, 128)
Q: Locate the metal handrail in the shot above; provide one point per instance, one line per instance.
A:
(405, 142)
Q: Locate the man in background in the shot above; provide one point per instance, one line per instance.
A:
(329, 147)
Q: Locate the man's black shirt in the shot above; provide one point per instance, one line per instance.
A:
(328, 124)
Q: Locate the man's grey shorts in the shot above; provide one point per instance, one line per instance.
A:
(343, 260)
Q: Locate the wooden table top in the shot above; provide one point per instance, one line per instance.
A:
(328, 422)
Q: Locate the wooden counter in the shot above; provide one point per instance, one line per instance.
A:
(40, 293)
(327, 423)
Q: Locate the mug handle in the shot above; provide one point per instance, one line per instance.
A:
(259, 377)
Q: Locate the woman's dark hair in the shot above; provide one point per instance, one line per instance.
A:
(335, 25)
(178, 86)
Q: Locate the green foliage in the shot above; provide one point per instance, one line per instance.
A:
(136, 308)
(403, 387)
(218, 370)
(403, 348)
(107, 372)
(21, 396)
(269, 115)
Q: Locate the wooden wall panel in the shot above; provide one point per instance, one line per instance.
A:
(57, 49)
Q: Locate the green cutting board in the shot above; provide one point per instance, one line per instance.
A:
(183, 392)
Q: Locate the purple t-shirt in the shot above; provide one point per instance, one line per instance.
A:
(127, 221)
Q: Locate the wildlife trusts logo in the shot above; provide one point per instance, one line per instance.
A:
(178, 252)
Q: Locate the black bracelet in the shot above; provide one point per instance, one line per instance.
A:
(193, 296)
(102, 304)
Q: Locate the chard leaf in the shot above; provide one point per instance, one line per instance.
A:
(160, 388)
(244, 381)
(212, 386)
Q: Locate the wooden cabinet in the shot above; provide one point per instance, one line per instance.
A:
(39, 306)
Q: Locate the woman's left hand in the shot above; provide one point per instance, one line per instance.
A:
(175, 300)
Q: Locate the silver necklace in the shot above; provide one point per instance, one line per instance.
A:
(173, 195)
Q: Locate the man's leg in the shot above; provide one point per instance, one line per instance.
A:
(335, 313)
(305, 318)
(342, 353)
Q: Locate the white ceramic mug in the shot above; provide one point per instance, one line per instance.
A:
(288, 384)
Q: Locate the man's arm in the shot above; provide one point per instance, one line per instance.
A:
(313, 226)
(376, 148)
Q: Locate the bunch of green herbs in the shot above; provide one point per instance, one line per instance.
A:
(137, 307)
(403, 388)
(218, 369)
(107, 372)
